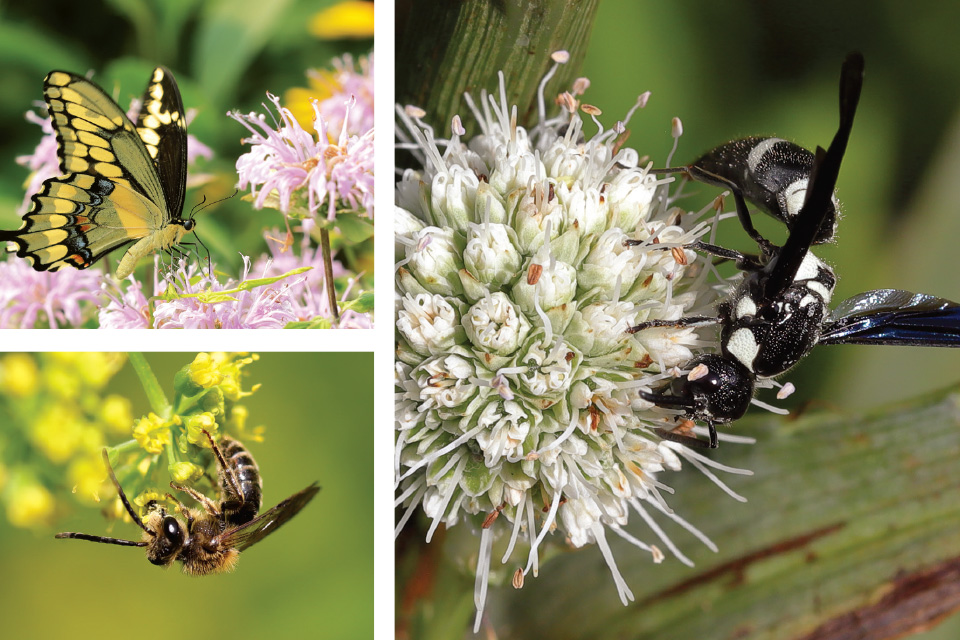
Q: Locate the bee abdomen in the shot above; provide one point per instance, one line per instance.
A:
(251, 485)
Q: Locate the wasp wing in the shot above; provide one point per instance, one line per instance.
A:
(894, 317)
(269, 521)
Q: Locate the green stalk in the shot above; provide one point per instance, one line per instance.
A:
(446, 48)
(151, 386)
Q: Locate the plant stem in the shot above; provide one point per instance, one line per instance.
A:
(151, 386)
(328, 272)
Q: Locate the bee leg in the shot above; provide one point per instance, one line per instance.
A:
(233, 483)
(208, 505)
(183, 510)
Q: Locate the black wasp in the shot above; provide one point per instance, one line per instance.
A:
(779, 312)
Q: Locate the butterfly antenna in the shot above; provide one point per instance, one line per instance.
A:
(203, 204)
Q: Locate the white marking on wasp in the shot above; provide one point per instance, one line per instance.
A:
(758, 152)
(743, 346)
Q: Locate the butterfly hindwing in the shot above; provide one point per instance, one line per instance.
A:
(121, 183)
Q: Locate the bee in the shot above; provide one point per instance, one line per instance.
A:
(212, 538)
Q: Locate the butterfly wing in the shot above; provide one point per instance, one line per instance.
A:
(110, 192)
(163, 129)
(269, 521)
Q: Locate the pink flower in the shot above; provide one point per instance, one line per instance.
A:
(306, 173)
(36, 299)
(347, 82)
(265, 307)
(128, 310)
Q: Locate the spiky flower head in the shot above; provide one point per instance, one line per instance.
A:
(517, 410)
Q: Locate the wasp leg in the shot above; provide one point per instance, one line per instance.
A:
(690, 321)
(676, 402)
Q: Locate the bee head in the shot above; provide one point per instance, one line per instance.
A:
(168, 538)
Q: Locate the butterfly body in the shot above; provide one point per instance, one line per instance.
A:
(122, 182)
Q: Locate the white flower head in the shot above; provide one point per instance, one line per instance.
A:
(517, 405)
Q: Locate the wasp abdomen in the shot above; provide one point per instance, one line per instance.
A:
(773, 174)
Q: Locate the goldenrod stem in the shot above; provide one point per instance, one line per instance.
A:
(151, 386)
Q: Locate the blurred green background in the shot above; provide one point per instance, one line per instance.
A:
(226, 54)
(312, 579)
(736, 68)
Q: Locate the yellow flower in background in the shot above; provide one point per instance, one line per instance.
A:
(299, 100)
(350, 19)
(58, 432)
(29, 504)
(18, 375)
(86, 475)
(117, 413)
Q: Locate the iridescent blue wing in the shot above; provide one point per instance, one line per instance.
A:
(895, 317)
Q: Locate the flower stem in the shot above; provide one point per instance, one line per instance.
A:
(328, 272)
(151, 386)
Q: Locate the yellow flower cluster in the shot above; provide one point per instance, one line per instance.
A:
(57, 414)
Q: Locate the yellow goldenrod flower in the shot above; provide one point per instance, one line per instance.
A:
(18, 375)
(152, 433)
(96, 369)
(29, 504)
(146, 496)
(86, 475)
(182, 472)
(349, 19)
(58, 432)
(60, 378)
(205, 370)
(195, 425)
(116, 412)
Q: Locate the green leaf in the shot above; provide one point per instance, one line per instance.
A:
(362, 304)
(354, 228)
(213, 297)
(851, 525)
(316, 323)
(230, 35)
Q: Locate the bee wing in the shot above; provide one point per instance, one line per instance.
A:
(269, 521)
(895, 317)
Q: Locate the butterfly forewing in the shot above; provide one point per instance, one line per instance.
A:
(162, 128)
(269, 521)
